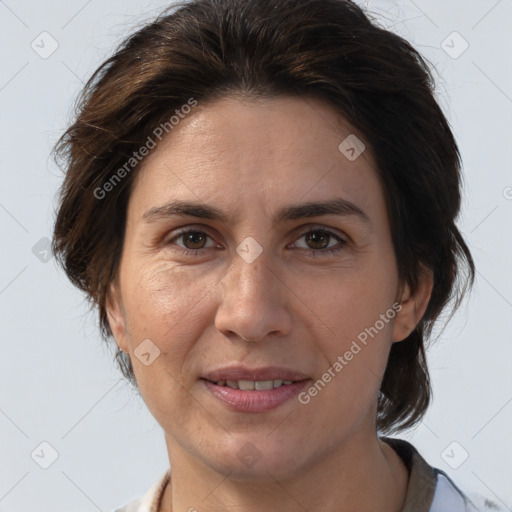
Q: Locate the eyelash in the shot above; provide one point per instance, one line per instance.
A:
(310, 252)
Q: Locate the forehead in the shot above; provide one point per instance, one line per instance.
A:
(238, 153)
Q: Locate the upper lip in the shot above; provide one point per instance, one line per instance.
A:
(246, 373)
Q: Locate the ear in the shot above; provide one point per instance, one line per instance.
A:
(116, 317)
(413, 305)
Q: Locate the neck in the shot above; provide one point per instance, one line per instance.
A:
(366, 476)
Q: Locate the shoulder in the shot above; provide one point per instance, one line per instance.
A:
(431, 490)
(133, 506)
(150, 501)
(449, 497)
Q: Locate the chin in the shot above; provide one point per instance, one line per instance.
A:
(251, 458)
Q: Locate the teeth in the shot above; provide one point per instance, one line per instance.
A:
(251, 385)
(246, 385)
(264, 385)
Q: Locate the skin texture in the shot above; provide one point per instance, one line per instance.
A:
(300, 307)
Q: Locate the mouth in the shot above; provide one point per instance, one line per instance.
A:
(258, 390)
(245, 374)
(253, 385)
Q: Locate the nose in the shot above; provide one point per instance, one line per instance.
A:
(253, 301)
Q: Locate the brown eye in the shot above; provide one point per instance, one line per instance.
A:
(318, 239)
(191, 242)
(194, 239)
(318, 242)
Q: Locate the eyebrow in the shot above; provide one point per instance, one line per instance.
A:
(337, 206)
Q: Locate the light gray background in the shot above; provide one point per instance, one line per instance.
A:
(59, 384)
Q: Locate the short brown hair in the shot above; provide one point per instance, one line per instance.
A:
(326, 49)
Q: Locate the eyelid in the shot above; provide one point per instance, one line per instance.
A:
(342, 239)
(299, 233)
(188, 229)
(304, 229)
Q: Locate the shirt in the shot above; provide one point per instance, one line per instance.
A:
(429, 489)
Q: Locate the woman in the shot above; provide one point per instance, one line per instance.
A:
(260, 198)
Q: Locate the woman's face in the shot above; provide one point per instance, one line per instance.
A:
(263, 281)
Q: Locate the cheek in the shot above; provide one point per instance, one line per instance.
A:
(360, 314)
(348, 385)
(355, 302)
(164, 314)
(160, 298)
(164, 311)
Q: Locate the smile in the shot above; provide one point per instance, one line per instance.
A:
(254, 385)
(250, 396)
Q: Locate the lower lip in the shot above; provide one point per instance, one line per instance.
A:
(255, 401)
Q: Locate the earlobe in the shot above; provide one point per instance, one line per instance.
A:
(116, 318)
(413, 305)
